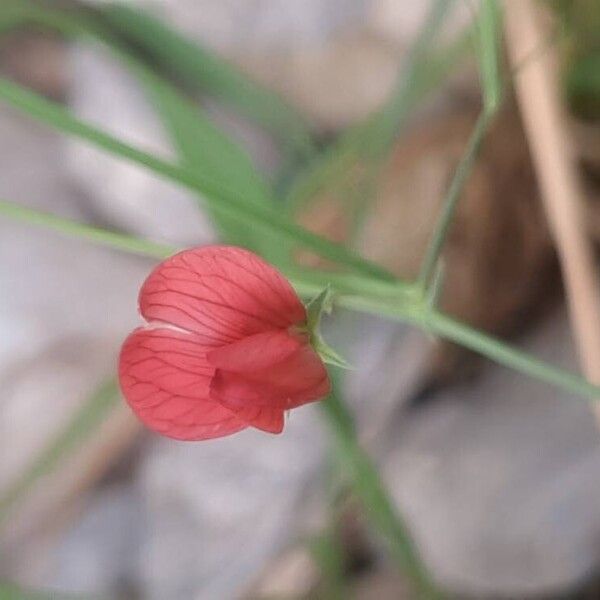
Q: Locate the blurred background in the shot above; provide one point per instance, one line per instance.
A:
(496, 475)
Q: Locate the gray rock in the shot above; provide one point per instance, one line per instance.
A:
(64, 310)
(119, 192)
(57, 293)
(231, 506)
(217, 513)
(97, 554)
(500, 480)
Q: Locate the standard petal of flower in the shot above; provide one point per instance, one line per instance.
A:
(256, 352)
(297, 380)
(165, 379)
(221, 293)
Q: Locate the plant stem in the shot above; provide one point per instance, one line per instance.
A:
(308, 283)
(507, 355)
(453, 195)
(489, 68)
(97, 235)
(491, 84)
(380, 509)
(220, 199)
(438, 323)
(379, 298)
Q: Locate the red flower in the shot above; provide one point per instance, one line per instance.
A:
(225, 347)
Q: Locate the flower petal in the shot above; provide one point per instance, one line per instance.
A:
(266, 419)
(297, 380)
(165, 379)
(221, 293)
(256, 352)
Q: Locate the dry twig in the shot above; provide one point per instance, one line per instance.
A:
(538, 93)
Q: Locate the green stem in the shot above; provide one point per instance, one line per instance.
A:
(507, 355)
(490, 79)
(418, 314)
(220, 199)
(453, 195)
(380, 509)
(307, 283)
(380, 298)
(97, 235)
(489, 66)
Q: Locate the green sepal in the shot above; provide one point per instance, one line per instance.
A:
(328, 354)
(321, 304)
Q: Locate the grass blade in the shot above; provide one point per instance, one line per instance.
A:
(219, 198)
(201, 145)
(103, 237)
(463, 170)
(207, 151)
(204, 71)
(381, 298)
(489, 65)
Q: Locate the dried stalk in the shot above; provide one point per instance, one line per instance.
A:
(538, 92)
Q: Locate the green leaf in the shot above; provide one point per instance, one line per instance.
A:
(205, 71)
(217, 196)
(205, 149)
(201, 145)
(328, 355)
(94, 234)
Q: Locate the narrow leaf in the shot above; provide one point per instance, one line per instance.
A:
(205, 71)
(219, 198)
(206, 150)
(94, 234)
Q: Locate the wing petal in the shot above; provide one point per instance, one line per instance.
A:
(165, 379)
